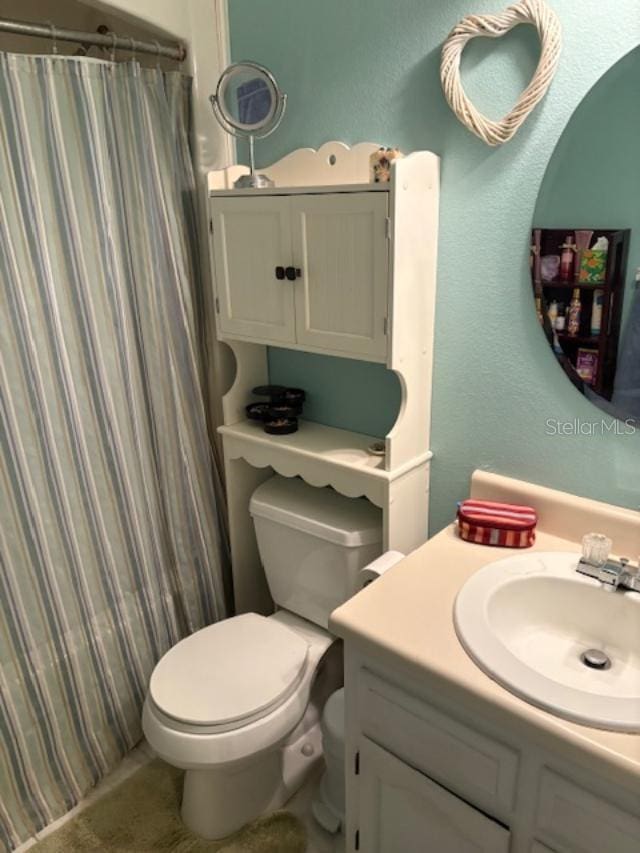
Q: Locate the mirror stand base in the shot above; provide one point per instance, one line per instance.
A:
(253, 181)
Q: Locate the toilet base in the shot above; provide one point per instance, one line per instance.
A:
(217, 802)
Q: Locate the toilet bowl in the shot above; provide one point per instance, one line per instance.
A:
(238, 704)
(247, 739)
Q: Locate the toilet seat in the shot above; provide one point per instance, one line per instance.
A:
(230, 674)
(199, 746)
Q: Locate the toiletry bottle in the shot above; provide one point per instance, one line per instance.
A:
(552, 313)
(535, 253)
(596, 312)
(566, 259)
(575, 309)
(557, 348)
(561, 320)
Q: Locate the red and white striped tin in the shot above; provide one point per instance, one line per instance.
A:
(492, 523)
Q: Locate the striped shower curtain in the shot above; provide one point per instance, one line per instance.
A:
(109, 536)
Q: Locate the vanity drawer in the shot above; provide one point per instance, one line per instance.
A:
(477, 768)
(577, 821)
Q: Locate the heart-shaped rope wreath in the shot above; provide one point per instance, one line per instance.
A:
(545, 20)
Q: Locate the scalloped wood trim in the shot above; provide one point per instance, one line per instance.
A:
(344, 482)
(307, 167)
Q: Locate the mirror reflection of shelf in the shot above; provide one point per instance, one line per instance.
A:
(588, 359)
(571, 285)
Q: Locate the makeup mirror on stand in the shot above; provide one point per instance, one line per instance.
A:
(249, 104)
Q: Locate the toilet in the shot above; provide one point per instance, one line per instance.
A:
(238, 704)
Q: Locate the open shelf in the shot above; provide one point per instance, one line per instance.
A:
(578, 339)
(321, 455)
(571, 285)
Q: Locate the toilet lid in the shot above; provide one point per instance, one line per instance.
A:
(239, 668)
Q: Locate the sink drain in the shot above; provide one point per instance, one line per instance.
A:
(595, 659)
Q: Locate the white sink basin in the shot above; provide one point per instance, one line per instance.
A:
(526, 620)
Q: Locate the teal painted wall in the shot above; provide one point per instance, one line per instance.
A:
(594, 174)
(369, 71)
(341, 392)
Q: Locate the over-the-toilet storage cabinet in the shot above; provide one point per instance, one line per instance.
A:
(327, 262)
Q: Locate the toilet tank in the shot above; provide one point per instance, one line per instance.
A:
(312, 542)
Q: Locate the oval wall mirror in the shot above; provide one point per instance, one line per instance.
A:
(585, 244)
(249, 104)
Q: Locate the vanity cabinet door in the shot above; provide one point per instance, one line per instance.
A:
(251, 239)
(403, 810)
(577, 821)
(340, 246)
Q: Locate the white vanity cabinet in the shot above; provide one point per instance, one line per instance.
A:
(427, 775)
(309, 270)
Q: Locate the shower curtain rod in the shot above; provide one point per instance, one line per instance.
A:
(110, 40)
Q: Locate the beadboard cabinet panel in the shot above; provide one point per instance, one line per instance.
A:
(251, 238)
(340, 246)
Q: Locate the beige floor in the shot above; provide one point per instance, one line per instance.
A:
(319, 840)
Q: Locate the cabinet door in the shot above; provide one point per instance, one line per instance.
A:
(340, 246)
(251, 237)
(574, 819)
(400, 809)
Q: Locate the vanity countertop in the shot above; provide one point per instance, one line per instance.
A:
(405, 621)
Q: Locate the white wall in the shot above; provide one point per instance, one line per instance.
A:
(202, 26)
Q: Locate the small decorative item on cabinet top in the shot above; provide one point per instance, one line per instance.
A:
(380, 164)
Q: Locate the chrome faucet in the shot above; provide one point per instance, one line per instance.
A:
(596, 563)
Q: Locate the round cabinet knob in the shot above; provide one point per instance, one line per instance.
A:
(280, 273)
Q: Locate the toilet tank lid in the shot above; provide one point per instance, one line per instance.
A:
(322, 512)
